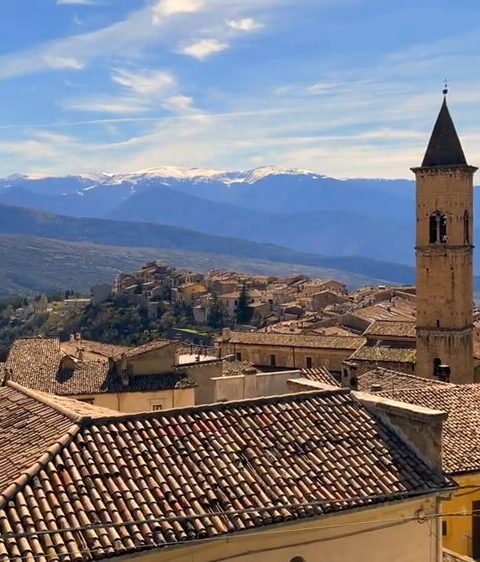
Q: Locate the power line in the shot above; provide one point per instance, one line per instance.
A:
(153, 544)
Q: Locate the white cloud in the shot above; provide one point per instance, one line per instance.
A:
(204, 48)
(179, 103)
(170, 7)
(117, 106)
(144, 82)
(319, 88)
(244, 24)
(63, 63)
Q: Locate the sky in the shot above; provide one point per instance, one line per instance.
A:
(347, 88)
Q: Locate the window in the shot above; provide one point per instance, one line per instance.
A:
(444, 529)
(297, 559)
(466, 227)
(86, 400)
(308, 362)
(273, 361)
(157, 405)
(441, 371)
(438, 228)
(238, 356)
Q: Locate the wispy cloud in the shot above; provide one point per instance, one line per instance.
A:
(144, 81)
(204, 48)
(102, 104)
(179, 103)
(244, 24)
(63, 63)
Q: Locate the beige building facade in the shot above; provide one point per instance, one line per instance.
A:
(367, 534)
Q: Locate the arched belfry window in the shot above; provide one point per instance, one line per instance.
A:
(466, 227)
(438, 228)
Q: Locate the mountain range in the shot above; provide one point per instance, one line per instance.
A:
(357, 229)
(293, 208)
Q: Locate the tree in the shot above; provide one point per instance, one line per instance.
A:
(244, 312)
(215, 317)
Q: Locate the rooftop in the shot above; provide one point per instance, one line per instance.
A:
(391, 328)
(217, 469)
(298, 340)
(320, 374)
(37, 363)
(384, 353)
(391, 381)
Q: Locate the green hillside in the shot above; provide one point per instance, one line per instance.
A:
(30, 265)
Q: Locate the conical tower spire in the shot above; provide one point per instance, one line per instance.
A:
(444, 148)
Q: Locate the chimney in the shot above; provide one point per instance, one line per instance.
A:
(72, 337)
(420, 427)
(376, 387)
(78, 336)
(226, 334)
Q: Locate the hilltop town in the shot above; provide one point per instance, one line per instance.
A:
(226, 416)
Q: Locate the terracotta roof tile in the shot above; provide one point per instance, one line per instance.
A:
(101, 349)
(384, 353)
(151, 346)
(27, 428)
(270, 458)
(395, 328)
(36, 363)
(320, 374)
(390, 381)
(298, 340)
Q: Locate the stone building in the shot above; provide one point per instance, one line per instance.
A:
(444, 250)
(154, 376)
(289, 351)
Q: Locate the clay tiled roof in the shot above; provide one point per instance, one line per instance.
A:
(234, 368)
(105, 350)
(146, 348)
(320, 374)
(461, 430)
(217, 469)
(384, 353)
(390, 381)
(395, 328)
(36, 363)
(28, 427)
(70, 405)
(297, 340)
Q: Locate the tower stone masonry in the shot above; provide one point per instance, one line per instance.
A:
(444, 255)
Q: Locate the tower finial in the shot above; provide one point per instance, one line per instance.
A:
(445, 87)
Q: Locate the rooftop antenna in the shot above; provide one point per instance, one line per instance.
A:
(445, 87)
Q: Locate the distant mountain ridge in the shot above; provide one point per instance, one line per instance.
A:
(297, 209)
(34, 223)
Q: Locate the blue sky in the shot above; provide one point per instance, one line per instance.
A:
(348, 88)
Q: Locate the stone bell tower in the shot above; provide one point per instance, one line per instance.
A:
(444, 251)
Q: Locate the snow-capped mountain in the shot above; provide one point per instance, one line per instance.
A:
(300, 209)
